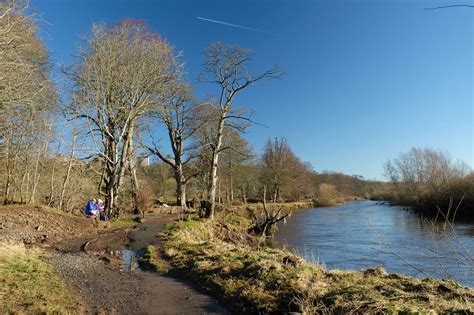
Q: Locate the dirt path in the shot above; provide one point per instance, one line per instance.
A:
(97, 275)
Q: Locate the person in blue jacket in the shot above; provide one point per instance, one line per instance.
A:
(92, 208)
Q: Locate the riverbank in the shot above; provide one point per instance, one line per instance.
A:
(229, 263)
(291, 206)
(453, 200)
(364, 234)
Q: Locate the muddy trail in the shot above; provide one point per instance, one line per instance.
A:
(105, 271)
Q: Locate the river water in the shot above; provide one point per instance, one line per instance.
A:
(365, 234)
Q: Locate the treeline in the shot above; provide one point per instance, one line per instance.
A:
(242, 178)
(126, 93)
(431, 183)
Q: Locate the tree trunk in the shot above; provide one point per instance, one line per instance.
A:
(68, 171)
(110, 177)
(53, 171)
(133, 174)
(183, 195)
(116, 165)
(214, 166)
(180, 186)
(219, 197)
(231, 186)
(37, 175)
(12, 158)
(23, 179)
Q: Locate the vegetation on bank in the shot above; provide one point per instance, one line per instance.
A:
(122, 222)
(28, 285)
(150, 259)
(225, 260)
(431, 183)
(287, 206)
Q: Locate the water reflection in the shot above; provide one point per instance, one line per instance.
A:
(366, 234)
(130, 260)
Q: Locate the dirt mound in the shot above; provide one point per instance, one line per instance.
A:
(41, 225)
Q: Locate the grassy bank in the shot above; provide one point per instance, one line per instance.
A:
(286, 206)
(296, 205)
(28, 285)
(223, 259)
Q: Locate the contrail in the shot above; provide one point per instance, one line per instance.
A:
(230, 24)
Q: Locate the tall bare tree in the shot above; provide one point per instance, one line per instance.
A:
(227, 67)
(27, 96)
(24, 64)
(176, 110)
(119, 71)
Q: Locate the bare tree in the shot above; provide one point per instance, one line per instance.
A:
(68, 169)
(227, 67)
(421, 169)
(283, 172)
(239, 152)
(264, 225)
(177, 111)
(27, 95)
(115, 79)
(24, 65)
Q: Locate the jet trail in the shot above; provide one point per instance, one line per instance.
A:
(230, 24)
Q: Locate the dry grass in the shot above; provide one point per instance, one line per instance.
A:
(285, 206)
(250, 279)
(151, 261)
(28, 285)
(122, 223)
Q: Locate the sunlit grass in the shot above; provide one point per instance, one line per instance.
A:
(223, 259)
(28, 285)
(122, 223)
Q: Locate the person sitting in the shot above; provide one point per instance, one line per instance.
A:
(92, 209)
(103, 215)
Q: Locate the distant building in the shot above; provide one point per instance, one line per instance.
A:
(144, 161)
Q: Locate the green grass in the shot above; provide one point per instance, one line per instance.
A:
(151, 261)
(122, 223)
(223, 259)
(184, 223)
(28, 285)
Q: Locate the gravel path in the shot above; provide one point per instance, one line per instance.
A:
(108, 290)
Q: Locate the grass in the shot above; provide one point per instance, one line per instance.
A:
(151, 261)
(28, 285)
(223, 259)
(122, 223)
(287, 206)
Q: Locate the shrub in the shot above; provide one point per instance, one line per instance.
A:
(145, 200)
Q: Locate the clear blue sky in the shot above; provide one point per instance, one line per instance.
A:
(365, 79)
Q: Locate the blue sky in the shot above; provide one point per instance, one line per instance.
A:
(365, 80)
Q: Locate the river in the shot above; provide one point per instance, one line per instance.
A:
(365, 234)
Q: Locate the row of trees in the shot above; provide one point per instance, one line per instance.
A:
(126, 87)
(26, 97)
(125, 76)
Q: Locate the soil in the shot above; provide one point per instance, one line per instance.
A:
(44, 226)
(89, 258)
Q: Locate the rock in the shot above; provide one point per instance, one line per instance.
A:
(105, 259)
(133, 263)
(38, 228)
(444, 289)
(293, 260)
(377, 271)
